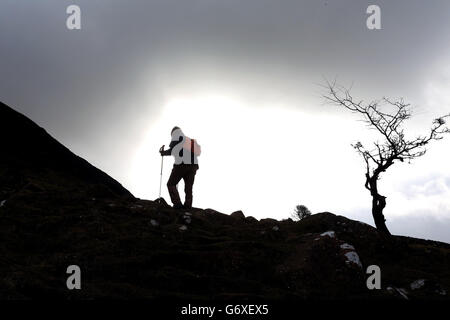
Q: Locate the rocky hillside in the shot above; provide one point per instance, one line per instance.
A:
(57, 210)
(32, 160)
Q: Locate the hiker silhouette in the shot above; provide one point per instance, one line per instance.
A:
(185, 151)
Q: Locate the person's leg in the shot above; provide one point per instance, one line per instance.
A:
(174, 178)
(188, 178)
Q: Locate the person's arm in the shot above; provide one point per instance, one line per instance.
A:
(168, 152)
(165, 152)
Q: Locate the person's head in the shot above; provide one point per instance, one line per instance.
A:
(174, 128)
(176, 133)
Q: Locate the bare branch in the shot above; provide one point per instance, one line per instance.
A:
(389, 124)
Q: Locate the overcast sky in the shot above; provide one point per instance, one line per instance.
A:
(243, 77)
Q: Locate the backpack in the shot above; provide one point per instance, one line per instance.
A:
(192, 146)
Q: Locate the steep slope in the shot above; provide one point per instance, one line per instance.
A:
(32, 159)
(132, 248)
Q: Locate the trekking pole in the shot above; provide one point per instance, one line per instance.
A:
(160, 176)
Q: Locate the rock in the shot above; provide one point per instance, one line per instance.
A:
(417, 284)
(269, 220)
(276, 228)
(238, 214)
(347, 246)
(183, 228)
(330, 234)
(441, 292)
(399, 291)
(353, 257)
(350, 254)
(154, 223)
(2, 203)
(251, 219)
(162, 203)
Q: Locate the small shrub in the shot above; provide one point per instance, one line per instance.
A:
(300, 212)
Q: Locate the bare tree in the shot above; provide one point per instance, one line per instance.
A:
(394, 145)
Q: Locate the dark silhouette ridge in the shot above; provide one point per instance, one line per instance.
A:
(131, 248)
(28, 151)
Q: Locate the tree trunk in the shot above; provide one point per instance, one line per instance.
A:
(378, 204)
